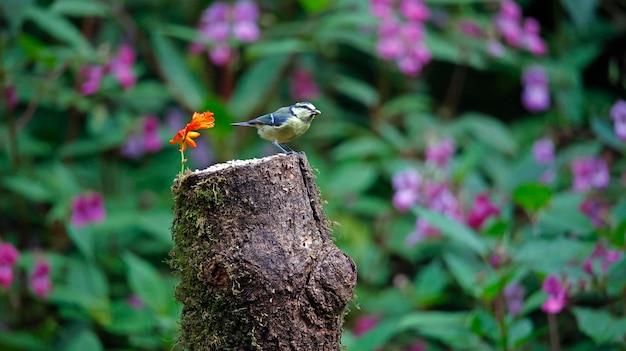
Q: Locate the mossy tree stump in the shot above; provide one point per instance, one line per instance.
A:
(257, 267)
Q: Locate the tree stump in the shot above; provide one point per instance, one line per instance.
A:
(258, 269)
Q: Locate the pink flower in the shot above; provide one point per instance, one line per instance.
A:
(8, 257)
(514, 298)
(414, 10)
(135, 302)
(543, 151)
(470, 28)
(495, 48)
(40, 279)
(604, 257)
(221, 55)
(557, 295)
(365, 323)
(247, 32)
(303, 85)
(618, 115)
(10, 96)
(217, 12)
(589, 173)
(439, 153)
(481, 211)
(404, 199)
(381, 8)
(423, 230)
(121, 66)
(245, 11)
(510, 9)
(595, 210)
(91, 77)
(510, 30)
(87, 208)
(151, 140)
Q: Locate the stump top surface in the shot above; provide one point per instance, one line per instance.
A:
(236, 163)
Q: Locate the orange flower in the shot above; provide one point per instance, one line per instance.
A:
(185, 136)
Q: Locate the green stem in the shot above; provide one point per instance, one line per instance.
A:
(182, 160)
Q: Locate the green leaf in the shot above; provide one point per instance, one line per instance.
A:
(605, 133)
(16, 340)
(363, 147)
(352, 177)
(376, 337)
(126, 320)
(519, 333)
(181, 82)
(454, 230)
(147, 283)
(532, 196)
(430, 283)
(616, 277)
(82, 238)
(284, 46)
(85, 339)
(58, 27)
(79, 8)
(466, 272)
(28, 188)
(582, 12)
(600, 326)
(488, 130)
(156, 223)
(449, 327)
(314, 6)
(550, 256)
(17, 9)
(563, 214)
(356, 90)
(251, 89)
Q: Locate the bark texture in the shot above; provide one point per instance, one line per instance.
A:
(258, 269)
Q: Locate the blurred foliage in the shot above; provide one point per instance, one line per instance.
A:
(111, 287)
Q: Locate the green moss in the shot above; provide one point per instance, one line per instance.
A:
(208, 320)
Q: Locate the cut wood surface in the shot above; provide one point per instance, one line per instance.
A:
(258, 269)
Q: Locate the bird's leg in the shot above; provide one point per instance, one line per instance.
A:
(280, 146)
(288, 148)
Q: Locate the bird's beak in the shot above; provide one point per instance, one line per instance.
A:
(316, 112)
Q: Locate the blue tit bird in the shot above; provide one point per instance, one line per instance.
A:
(284, 124)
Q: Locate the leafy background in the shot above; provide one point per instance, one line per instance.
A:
(111, 286)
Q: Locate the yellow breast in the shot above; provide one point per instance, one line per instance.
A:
(290, 130)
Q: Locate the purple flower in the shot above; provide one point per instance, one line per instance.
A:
(510, 30)
(514, 298)
(245, 11)
(407, 179)
(217, 12)
(439, 153)
(8, 257)
(91, 77)
(406, 185)
(423, 230)
(303, 85)
(414, 10)
(595, 210)
(470, 28)
(495, 48)
(221, 22)
(618, 115)
(557, 295)
(40, 279)
(133, 147)
(247, 32)
(363, 324)
(121, 66)
(536, 94)
(481, 210)
(536, 98)
(548, 176)
(87, 208)
(589, 173)
(221, 55)
(381, 8)
(543, 151)
(510, 9)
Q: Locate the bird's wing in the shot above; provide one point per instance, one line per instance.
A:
(270, 119)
